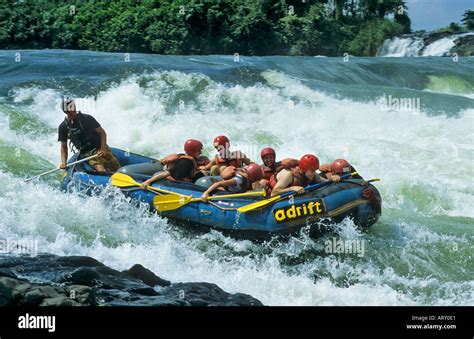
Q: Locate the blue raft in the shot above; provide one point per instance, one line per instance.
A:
(315, 208)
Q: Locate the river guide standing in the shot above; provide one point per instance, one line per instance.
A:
(87, 136)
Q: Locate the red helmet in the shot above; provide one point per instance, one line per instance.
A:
(308, 162)
(221, 140)
(193, 147)
(340, 166)
(255, 172)
(267, 151)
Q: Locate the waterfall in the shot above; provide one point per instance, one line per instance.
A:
(409, 46)
(401, 47)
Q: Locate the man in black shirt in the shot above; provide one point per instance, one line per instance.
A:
(87, 136)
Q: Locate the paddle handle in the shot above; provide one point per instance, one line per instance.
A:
(237, 195)
(57, 169)
(311, 187)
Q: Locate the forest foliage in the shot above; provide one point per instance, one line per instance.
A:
(247, 27)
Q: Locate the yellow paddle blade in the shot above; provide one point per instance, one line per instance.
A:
(257, 204)
(123, 180)
(171, 202)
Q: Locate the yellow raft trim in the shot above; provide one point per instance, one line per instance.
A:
(346, 207)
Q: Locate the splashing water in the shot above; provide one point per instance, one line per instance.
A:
(419, 253)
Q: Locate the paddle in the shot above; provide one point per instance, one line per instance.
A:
(123, 180)
(59, 168)
(263, 203)
(169, 203)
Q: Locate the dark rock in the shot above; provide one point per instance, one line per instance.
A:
(108, 271)
(87, 282)
(5, 272)
(82, 276)
(36, 295)
(143, 291)
(11, 290)
(79, 261)
(464, 46)
(207, 294)
(148, 277)
(59, 301)
(82, 294)
(12, 261)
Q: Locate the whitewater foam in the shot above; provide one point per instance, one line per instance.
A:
(414, 154)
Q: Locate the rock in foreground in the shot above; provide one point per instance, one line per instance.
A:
(49, 280)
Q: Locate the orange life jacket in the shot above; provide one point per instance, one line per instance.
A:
(233, 161)
(170, 161)
(269, 171)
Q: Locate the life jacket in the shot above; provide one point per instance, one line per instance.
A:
(233, 161)
(171, 164)
(269, 171)
(230, 172)
(292, 165)
(79, 136)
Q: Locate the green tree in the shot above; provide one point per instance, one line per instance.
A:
(454, 27)
(329, 27)
(371, 37)
(468, 19)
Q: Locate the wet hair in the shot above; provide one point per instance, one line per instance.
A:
(182, 169)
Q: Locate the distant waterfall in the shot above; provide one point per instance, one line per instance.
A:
(401, 47)
(409, 46)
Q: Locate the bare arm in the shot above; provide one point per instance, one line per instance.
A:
(329, 175)
(285, 178)
(216, 185)
(103, 137)
(63, 154)
(326, 168)
(159, 176)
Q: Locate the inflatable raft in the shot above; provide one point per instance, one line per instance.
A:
(333, 202)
